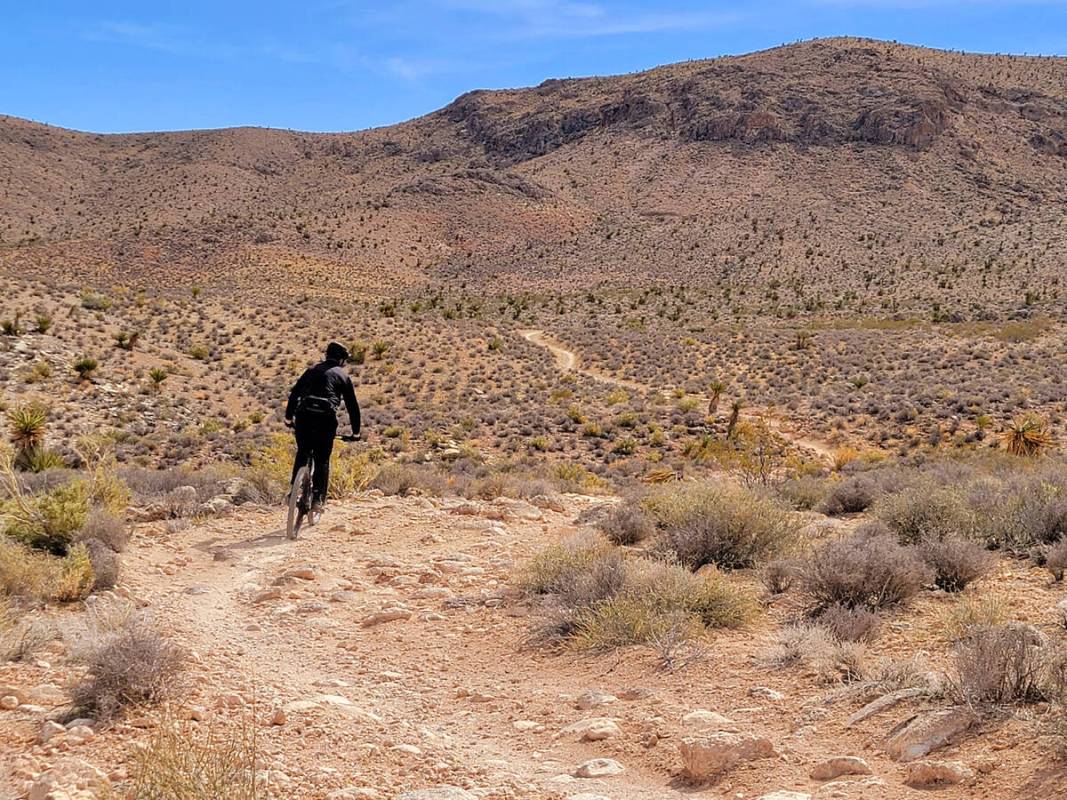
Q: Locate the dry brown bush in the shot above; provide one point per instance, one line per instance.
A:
(868, 570)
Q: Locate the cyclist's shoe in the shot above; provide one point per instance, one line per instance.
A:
(317, 505)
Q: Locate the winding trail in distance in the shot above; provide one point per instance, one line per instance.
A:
(568, 360)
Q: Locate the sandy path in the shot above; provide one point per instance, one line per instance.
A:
(568, 361)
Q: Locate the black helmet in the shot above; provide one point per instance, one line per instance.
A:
(335, 351)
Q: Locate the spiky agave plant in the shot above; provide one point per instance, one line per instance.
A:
(1027, 436)
(28, 424)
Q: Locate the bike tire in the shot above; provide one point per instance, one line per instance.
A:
(299, 502)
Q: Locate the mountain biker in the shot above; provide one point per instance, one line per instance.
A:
(312, 413)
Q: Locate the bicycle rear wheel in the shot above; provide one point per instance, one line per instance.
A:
(299, 502)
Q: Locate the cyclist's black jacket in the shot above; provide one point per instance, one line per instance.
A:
(321, 390)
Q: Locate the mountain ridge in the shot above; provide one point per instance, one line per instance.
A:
(561, 185)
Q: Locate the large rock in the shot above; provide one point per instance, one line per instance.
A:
(706, 756)
(932, 774)
(884, 703)
(926, 732)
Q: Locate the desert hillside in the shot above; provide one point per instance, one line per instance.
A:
(834, 173)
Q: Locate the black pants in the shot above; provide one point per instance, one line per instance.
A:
(314, 442)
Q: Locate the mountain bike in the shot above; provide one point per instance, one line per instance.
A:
(300, 495)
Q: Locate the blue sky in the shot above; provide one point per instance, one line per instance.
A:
(345, 64)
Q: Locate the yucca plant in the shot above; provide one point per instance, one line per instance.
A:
(85, 367)
(735, 415)
(716, 388)
(157, 375)
(28, 424)
(1027, 436)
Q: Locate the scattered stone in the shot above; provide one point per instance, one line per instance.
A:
(702, 719)
(386, 615)
(926, 732)
(784, 794)
(714, 753)
(303, 573)
(267, 594)
(932, 774)
(635, 693)
(841, 765)
(527, 725)
(766, 693)
(883, 703)
(595, 729)
(591, 698)
(9, 702)
(598, 768)
(278, 717)
(70, 777)
(438, 793)
(48, 730)
(869, 788)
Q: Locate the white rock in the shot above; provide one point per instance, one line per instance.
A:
(591, 698)
(598, 768)
(595, 729)
(386, 615)
(707, 720)
(926, 732)
(48, 730)
(438, 793)
(785, 794)
(9, 702)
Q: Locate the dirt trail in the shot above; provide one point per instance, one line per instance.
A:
(567, 360)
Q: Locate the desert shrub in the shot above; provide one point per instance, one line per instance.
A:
(599, 599)
(803, 493)
(1021, 514)
(581, 571)
(857, 624)
(21, 636)
(849, 496)
(863, 570)
(657, 601)
(105, 563)
(106, 528)
(350, 472)
(728, 526)
(48, 521)
(971, 613)
(814, 647)
(576, 479)
(627, 524)
(130, 666)
(402, 479)
(183, 762)
(780, 575)
(955, 561)
(1056, 559)
(75, 579)
(926, 511)
(999, 665)
(26, 573)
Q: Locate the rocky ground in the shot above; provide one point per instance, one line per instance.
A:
(383, 654)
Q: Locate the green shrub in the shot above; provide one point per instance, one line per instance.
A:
(48, 521)
(925, 512)
(728, 526)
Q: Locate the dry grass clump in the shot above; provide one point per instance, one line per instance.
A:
(780, 575)
(1005, 664)
(728, 526)
(971, 613)
(20, 635)
(866, 569)
(849, 496)
(815, 647)
(1056, 559)
(404, 479)
(627, 524)
(856, 624)
(926, 511)
(39, 577)
(183, 763)
(804, 492)
(956, 562)
(130, 665)
(599, 599)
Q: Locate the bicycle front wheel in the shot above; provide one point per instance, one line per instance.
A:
(299, 502)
